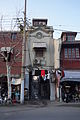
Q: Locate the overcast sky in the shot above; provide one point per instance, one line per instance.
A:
(61, 14)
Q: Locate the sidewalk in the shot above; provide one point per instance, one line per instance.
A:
(33, 103)
(43, 103)
(27, 106)
(59, 104)
(6, 109)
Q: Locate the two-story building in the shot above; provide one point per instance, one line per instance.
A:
(70, 63)
(10, 63)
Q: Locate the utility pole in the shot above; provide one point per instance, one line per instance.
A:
(1, 21)
(23, 58)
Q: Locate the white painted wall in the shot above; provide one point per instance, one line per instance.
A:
(57, 46)
(49, 52)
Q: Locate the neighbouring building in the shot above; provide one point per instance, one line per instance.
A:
(10, 63)
(70, 63)
(57, 48)
(40, 76)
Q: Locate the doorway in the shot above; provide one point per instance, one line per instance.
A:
(39, 88)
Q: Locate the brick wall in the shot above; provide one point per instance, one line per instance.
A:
(7, 41)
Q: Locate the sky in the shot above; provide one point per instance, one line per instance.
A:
(63, 15)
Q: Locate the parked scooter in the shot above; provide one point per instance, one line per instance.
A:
(68, 97)
(4, 100)
(0, 100)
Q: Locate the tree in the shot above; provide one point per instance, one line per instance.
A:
(10, 50)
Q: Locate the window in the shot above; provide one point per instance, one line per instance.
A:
(77, 52)
(39, 53)
(70, 38)
(66, 53)
(71, 53)
(73, 38)
(13, 36)
(39, 22)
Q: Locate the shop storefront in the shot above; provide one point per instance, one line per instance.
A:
(70, 86)
(3, 86)
(15, 89)
(39, 85)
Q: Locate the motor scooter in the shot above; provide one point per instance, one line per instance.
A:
(0, 100)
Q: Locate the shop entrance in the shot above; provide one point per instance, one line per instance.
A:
(15, 93)
(71, 89)
(44, 89)
(39, 88)
(3, 87)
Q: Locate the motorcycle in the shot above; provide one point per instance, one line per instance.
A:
(0, 100)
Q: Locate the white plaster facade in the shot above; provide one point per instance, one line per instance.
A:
(41, 37)
(57, 47)
(48, 40)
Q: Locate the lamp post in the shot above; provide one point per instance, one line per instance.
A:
(23, 58)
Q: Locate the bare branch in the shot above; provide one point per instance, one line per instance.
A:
(2, 54)
(15, 45)
(17, 54)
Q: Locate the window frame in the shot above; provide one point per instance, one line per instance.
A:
(71, 53)
(39, 53)
(70, 38)
(13, 36)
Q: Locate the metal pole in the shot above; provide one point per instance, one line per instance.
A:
(23, 58)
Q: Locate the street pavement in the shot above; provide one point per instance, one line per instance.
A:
(41, 111)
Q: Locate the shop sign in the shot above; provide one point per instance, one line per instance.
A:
(15, 81)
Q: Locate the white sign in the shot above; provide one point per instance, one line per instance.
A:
(15, 81)
(39, 44)
(8, 49)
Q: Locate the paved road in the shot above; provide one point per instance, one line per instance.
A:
(49, 112)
